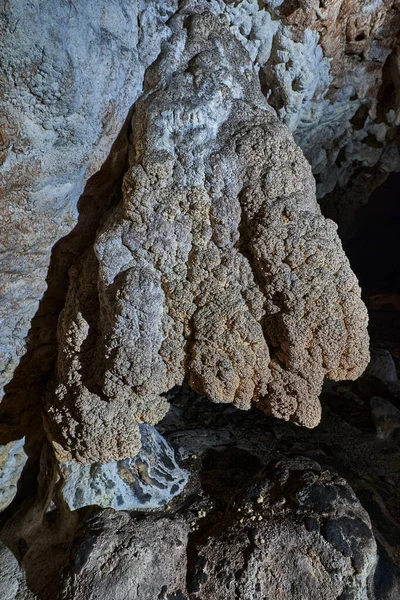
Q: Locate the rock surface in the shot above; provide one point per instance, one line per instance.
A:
(69, 75)
(116, 556)
(13, 584)
(12, 462)
(301, 534)
(330, 70)
(382, 366)
(232, 300)
(243, 466)
(147, 482)
(294, 532)
(216, 265)
(386, 417)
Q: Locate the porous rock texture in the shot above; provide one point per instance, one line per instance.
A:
(270, 510)
(315, 531)
(116, 556)
(216, 265)
(71, 72)
(294, 532)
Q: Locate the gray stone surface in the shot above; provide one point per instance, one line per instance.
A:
(69, 74)
(147, 482)
(301, 533)
(386, 417)
(382, 366)
(263, 510)
(12, 462)
(13, 584)
(68, 84)
(116, 556)
(293, 531)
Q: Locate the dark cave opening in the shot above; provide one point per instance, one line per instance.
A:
(373, 247)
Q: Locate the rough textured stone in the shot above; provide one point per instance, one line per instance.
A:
(12, 462)
(302, 534)
(216, 265)
(330, 70)
(238, 460)
(12, 578)
(386, 417)
(116, 556)
(148, 481)
(295, 532)
(69, 75)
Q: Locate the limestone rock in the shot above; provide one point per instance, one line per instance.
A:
(386, 417)
(148, 481)
(382, 366)
(329, 70)
(13, 584)
(12, 462)
(295, 532)
(117, 556)
(302, 533)
(69, 75)
(216, 265)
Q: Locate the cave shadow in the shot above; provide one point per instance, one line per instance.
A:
(373, 243)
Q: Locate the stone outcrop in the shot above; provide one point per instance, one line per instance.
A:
(69, 75)
(295, 532)
(268, 506)
(330, 70)
(146, 482)
(154, 149)
(12, 462)
(129, 559)
(215, 266)
(304, 536)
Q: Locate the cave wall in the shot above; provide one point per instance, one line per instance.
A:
(70, 75)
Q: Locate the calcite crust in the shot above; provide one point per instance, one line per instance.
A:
(216, 266)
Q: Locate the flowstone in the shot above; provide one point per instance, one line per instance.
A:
(216, 266)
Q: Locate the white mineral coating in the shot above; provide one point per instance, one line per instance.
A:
(12, 462)
(148, 481)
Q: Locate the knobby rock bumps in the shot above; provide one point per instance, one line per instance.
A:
(216, 265)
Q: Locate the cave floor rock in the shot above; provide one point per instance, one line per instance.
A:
(271, 510)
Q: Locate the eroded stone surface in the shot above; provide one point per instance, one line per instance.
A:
(148, 481)
(330, 70)
(292, 531)
(13, 584)
(301, 534)
(216, 265)
(116, 556)
(12, 462)
(69, 75)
